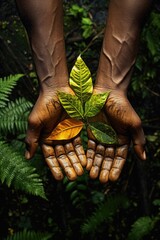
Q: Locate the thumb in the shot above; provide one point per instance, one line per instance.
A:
(32, 140)
(138, 139)
(140, 151)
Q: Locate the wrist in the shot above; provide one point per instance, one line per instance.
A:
(115, 89)
(51, 90)
(117, 82)
(53, 84)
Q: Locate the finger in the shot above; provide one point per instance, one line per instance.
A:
(69, 149)
(140, 151)
(80, 151)
(107, 164)
(94, 172)
(138, 139)
(32, 139)
(90, 153)
(64, 162)
(118, 163)
(52, 162)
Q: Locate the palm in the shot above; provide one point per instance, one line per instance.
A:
(125, 121)
(67, 156)
(108, 161)
(42, 120)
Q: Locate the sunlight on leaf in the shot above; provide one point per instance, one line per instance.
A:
(72, 105)
(81, 81)
(95, 104)
(66, 129)
(82, 106)
(103, 133)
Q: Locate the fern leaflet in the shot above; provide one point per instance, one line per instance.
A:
(142, 227)
(6, 86)
(103, 213)
(16, 171)
(14, 117)
(30, 235)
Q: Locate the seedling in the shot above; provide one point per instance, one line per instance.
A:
(81, 107)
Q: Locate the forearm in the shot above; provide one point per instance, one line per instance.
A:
(43, 21)
(120, 44)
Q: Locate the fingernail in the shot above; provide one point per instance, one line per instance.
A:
(144, 155)
(114, 174)
(70, 173)
(27, 155)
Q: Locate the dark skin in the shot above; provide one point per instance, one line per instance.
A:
(106, 162)
(118, 55)
(70, 156)
(43, 21)
(44, 24)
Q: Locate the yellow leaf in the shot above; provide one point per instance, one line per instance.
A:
(81, 81)
(66, 129)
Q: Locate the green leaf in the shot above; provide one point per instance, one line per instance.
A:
(156, 202)
(95, 104)
(87, 21)
(6, 86)
(30, 235)
(104, 213)
(151, 43)
(103, 133)
(141, 228)
(70, 186)
(17, 172)
(75, 10)
(81, 81)
(72, 105)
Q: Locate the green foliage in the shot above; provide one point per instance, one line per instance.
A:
(71, 104)
(86, 21)
(152, 32)
(85, 104)
(95, 104)
(75, 10)
(87, 26)
(77, 190)
(100, 129)
(65, 212)
(6, 86)
(29, 235)
(156, 202)
(16, 171)
(104, 214)
(142, 227)
(13, 114)
(80, 80)
(13, 117)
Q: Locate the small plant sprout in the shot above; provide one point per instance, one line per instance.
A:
(81, 107)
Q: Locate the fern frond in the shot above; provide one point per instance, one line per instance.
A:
(13, 118)
(142, 227)
(16, 171)
(30, 235)
(103, 213)
(6, 86)
(18, 143)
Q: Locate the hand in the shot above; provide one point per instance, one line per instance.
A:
(107, 161)
(67, 156)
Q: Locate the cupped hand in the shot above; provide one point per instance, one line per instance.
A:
(62, 157)
(107, 161)
(65, 157)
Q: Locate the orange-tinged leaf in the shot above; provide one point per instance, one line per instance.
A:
(66, 129)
